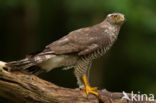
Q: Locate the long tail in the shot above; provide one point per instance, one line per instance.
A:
(30, 63)
(21, 64)
(24, 65)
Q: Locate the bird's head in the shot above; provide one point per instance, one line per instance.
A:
(115, 18)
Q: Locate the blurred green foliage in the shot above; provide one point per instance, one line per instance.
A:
(27, 26)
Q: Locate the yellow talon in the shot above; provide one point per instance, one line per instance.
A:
(87, 88)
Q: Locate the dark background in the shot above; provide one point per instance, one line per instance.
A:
(28, 26)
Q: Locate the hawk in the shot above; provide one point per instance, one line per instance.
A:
(76, 50)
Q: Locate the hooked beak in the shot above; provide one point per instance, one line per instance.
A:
(121, 19)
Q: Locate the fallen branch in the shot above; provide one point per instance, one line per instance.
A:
(22, 87)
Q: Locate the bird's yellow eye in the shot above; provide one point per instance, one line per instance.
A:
(114, 16)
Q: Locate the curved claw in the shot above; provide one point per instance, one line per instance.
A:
(88, 89)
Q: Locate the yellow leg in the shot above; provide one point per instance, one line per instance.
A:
(87, 88)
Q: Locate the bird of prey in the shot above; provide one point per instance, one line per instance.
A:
(76, 50)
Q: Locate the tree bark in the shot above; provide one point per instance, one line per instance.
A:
(21, 87)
